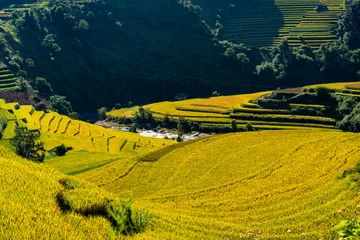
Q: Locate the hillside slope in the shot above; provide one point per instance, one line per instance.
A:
(137, 38)
(29, 208)
(266, 184)
(90, 145)
(294, 108)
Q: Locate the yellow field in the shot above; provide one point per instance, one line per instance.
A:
(256, 185)
(336, 86)
(91, 146)
(270, 184)
(353, 86)
(29, 209)
(221, 110)
(170, 107)
(126, 112)
(77, 162)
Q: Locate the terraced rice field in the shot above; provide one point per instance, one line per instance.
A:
(85, 140)
(7, 79)
(5, 13)
(220, 111)
(266, 22)
(264, 185)
(350, 89)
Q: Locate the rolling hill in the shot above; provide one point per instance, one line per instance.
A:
(30, 204)
(268, 184)
(285, 171)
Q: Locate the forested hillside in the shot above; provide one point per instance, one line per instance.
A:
(100, 53)
(89, 50)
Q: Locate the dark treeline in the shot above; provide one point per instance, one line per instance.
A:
(100, 53)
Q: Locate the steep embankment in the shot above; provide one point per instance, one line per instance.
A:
(266, 184)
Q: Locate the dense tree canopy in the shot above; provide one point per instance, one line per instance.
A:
(100, 53)
(60, 105)
(27, 144)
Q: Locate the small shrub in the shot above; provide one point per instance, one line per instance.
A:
(60, 150)
(345, 106)
(27, 145)
(69, 183)
(61, 105)
(117, 106)
(179, 138)
(215, 94)
(234, 125)
(320, 7)
(348, 229)
(102, 113)
(183, 125)
(351, 122)
(125, 222)
(322, 92)
(3, 125)
(143, 118)
(166, 122)
(142, 220)
(249, 127)
(132, 128)
(195, 126)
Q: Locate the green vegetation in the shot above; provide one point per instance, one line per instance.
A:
(349, 229)
(59, 57)
(125, 222)
(27, 144)
(55, 46)
(60, 105)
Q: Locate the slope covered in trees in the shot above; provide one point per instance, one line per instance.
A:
(100, 53)
(134, 50)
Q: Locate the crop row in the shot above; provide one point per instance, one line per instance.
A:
(276, 186)
(264, 26)
(284, 118)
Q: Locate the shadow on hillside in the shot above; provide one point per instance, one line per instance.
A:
(252, 22)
